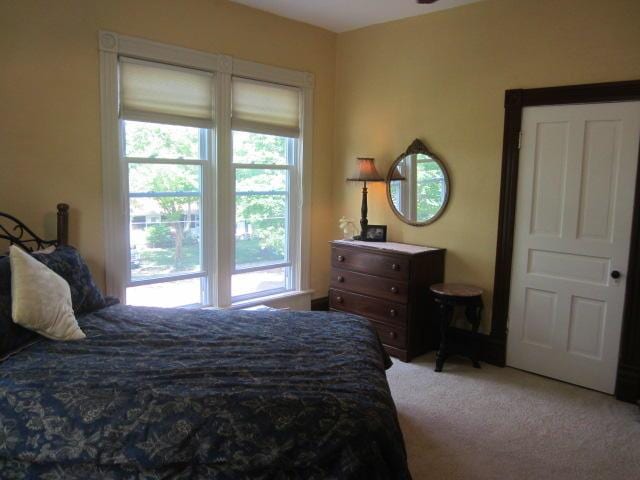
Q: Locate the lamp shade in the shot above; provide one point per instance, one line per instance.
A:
(366, 171)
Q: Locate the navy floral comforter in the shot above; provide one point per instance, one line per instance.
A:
(160, 393)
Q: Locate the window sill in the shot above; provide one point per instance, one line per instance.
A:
(294, 300)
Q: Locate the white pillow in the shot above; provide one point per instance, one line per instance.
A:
(41, 299)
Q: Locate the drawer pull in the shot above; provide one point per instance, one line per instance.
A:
(393, 312)
(394, 289)
(340, 278)
(393, 335)
(341, 258)
(395, 267)
(339, 299)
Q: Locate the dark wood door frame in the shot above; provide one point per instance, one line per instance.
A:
(628, 377)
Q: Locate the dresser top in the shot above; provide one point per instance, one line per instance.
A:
(388, 246)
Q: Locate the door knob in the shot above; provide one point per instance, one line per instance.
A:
(615, 274)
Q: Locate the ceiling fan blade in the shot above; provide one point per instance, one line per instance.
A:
(426, 1)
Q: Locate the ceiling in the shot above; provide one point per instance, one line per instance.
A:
(344, 15)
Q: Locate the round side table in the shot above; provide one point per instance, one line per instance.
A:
(451, 295)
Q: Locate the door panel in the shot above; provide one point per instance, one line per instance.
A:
(569, 266)
(574, 210)
(539, 317)
(599, 173)
(550, 165)
(586, 327)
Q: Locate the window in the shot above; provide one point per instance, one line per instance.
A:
(265, 122)
(164, 157)
(214, 211)
(262, 170)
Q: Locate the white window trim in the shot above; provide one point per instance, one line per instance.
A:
(215, 250)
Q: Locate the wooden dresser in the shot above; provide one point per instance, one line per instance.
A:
(389, 284)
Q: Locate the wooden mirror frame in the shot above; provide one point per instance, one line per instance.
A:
(415, 148)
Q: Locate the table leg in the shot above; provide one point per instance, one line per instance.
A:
(446, 314)
(474, 313)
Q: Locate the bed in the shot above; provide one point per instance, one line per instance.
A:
(195, 393)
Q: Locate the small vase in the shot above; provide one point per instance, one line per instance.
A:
(347, 233)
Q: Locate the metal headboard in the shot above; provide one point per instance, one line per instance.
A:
(17, 233)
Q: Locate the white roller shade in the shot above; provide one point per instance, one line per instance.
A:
(265, 108)
(154, 92)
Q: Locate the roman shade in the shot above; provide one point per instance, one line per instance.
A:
(165, 94)
(265, 108)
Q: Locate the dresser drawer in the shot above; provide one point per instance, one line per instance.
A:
(372, 263)
(391, 334)
(373, 308)
(371, 285)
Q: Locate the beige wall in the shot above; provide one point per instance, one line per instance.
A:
(49, 100)
(441, 77)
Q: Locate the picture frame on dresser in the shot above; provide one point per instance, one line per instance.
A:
(375, 233)
(388, 283)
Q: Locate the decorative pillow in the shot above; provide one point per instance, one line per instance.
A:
(13, 337)
(67, 262)
(41, 299)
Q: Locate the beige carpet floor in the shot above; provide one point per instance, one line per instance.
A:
(502, 423)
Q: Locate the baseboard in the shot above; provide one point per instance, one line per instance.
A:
(628, 383)
(321, 303)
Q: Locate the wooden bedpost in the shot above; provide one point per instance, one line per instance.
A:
(63, 224)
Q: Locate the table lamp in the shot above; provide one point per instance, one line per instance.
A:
(366, 172)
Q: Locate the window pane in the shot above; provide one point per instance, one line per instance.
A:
(257, 148)
(151, 179)
(263, 180)
(261, 217)
(259, 282)
(169, 294)
(157, 140)
(164, 236)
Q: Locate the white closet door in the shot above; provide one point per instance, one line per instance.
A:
(573, 226)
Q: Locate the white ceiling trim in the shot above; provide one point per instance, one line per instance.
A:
(344, 15)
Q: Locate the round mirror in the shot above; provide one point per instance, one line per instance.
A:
(418, 186)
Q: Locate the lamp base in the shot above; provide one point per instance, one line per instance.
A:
(363, 214)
